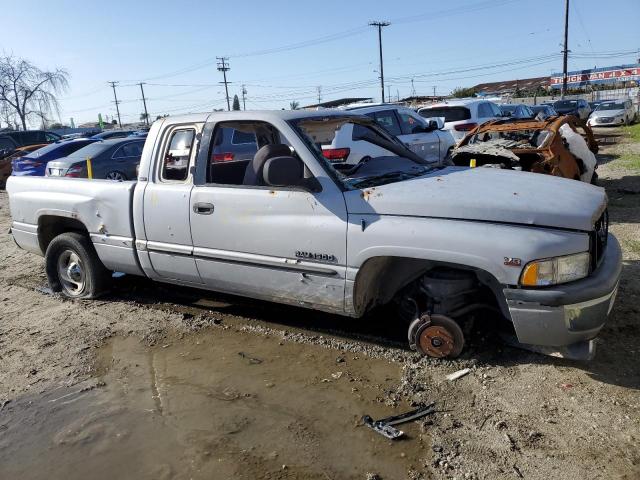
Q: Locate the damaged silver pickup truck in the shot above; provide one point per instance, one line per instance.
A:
(286, 226)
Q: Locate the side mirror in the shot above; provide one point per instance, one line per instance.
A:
(434, 123)
(287, 172)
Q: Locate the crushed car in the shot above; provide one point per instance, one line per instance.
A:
(557, 145)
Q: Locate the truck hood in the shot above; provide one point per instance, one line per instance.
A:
(488, 195)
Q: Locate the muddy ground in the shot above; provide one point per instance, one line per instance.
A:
(161, 382)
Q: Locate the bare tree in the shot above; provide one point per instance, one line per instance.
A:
(29, 91)
(294, 105)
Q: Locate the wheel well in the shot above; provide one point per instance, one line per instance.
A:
(381, 278)
(50, 226)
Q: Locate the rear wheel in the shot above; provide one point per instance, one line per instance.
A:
(116, 175)
(73, 267)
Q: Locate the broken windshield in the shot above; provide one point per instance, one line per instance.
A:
(358, 151)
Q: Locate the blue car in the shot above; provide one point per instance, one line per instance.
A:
(34, 163)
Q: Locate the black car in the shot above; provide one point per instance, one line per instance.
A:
(113, 159)
(112, 134)
(516, 110)
(14, 139)
(578, 107)
(543, 111)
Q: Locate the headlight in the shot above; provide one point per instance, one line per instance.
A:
(552, 271)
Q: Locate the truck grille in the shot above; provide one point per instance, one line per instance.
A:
(598, 239)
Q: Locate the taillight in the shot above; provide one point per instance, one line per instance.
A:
(74, 172)
(223, 157)
(465, 127)
(336, 154)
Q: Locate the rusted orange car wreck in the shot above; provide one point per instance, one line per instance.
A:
(557, 145)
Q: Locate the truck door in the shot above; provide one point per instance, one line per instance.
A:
(282, 244)
(425, 144)
(166, 206)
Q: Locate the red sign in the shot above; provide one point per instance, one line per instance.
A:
(620, 74)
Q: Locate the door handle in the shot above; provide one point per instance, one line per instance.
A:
(202, 208)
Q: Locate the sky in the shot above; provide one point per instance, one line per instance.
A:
(282, 51)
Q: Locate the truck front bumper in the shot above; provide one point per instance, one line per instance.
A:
(568, 315)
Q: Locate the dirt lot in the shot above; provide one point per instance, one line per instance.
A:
(157, 382)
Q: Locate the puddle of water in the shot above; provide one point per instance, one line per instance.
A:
(196, 408)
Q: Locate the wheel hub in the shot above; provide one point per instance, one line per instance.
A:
(435, 341)
(436, 336)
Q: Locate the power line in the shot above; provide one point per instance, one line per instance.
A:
(223, 67)
(144, 102)
(113, 85)
(565, 50)
(380, 25)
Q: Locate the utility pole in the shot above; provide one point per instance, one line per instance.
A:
(319, 89)
(413, 89)
(380, 25)
(113, 85)
(144, 102)
(565, 50)
(223, 66)
(434, 91)
(244, 92)
(388, 93)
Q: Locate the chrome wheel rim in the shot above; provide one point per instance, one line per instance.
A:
(115, 176)
(71, 273)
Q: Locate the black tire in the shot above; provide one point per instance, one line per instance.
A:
(116, 176)
(73, 267)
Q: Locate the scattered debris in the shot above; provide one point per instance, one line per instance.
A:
(518, 472)
(252, 360)
(458, 374)
(385, 427)
(336, 375)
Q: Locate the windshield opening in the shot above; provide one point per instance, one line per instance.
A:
(611, 106)
(358, 152)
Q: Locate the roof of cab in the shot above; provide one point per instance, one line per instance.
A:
(264, 115)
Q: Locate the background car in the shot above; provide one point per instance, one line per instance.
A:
(34, 163)
(516, 110)
(113, 159)
(543, 111)
(462, 116)
(593, 105)
(616, 112)
(424, 139)
(112, 134)
(578, 108)
(231, 144)
(15, 139)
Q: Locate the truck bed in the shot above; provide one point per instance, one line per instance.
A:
(103, 207)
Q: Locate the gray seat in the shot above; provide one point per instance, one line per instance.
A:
(253, 173)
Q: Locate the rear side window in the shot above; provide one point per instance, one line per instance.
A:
(387, 119)
(484, 110)
(450, 114)
(175, 162)
(133, 149)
